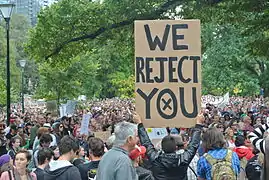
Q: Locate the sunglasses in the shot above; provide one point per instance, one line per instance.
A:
(60, 126)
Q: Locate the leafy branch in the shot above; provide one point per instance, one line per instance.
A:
(162, 9)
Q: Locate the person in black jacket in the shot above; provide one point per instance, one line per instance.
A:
(62, 169)
(167, 165)
(44, 156)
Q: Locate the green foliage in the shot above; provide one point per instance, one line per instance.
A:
(18, 31)
(89, 55)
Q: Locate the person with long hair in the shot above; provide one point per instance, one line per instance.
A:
(214, 145)
(14, 146)
(230, 138)
(20, 171)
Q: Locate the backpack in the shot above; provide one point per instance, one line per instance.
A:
(221, 168)
(243, 164)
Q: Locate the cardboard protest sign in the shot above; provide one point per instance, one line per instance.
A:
(104, 135)
(84, 128)
(168, 72)
(62, 109)
(70, 107)
(156, 135)
(51, 107)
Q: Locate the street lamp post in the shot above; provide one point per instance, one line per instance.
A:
(6, 11)
(22, 64)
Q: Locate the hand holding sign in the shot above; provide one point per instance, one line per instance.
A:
(200, 119)
(137, 118)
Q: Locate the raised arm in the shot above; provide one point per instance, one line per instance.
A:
(256, 137)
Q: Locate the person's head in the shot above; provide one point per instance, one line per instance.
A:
(220, 127)
(45, 140)
(2, 127)
(41, 119)
(15, 142)
(68, 147)
(48, 126)
(96, 147)
(48, 117)
(213, 139)
(44, 156)
(13, 129)
(239, 141)
(179, 142)
(226, 117)
(61, 127)
(126, 135)
(247, 120)
(55, 127)
(22, 159)
(41, 131)
(66, 121)
(77, 134)
(258, 120)
(169, 144)
(81, 152)
(235, 126)
(138, 154)
(229, 133)
(56, 153)
(5, 163)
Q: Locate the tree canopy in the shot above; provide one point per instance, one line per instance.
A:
(87, 47)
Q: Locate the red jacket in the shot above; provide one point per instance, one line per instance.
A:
(243, 151)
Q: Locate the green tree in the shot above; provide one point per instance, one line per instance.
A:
(19, 26)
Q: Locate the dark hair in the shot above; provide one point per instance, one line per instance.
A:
(43, 154)
(179, 142)
(169, 144)
(13, 140)
(213, 139)
(27, 154)
(45, 138)
(239, 140)
(67, 144)
(96, 147)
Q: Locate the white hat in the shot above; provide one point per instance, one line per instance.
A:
(47, 125)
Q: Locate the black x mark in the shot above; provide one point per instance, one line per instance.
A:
(166, 104)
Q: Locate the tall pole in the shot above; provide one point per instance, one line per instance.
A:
(8, 74)
(22, 89)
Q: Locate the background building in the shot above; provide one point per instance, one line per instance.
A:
(29, 8)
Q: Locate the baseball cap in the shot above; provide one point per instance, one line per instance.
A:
(138, 151)
(4, 159)
(14, 127)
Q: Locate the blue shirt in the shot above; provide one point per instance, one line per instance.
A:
(204, 168)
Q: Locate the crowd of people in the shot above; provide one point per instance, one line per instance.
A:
(225, 144)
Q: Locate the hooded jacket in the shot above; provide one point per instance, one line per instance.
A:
(243, 151)
(61, 170)
(170, 166)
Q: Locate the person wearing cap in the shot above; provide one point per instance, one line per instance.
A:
(136, 156)
(54, 141)
(13, 131)
(5, 163)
